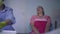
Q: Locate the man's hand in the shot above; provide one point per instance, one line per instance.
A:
(2, 24)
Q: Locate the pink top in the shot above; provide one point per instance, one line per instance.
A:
(39, 23)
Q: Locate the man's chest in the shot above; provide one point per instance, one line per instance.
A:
(2, 16)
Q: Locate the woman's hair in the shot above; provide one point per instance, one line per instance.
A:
(42, 9)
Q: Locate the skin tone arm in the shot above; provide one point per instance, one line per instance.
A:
(34, 29)
(48, 25)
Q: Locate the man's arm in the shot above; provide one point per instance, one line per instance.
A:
(9, 20)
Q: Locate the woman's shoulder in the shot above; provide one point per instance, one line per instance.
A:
(46, 16)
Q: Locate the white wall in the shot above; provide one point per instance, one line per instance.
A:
(19, 7)
(24, 9)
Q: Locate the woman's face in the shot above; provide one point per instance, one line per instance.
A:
(39, 10)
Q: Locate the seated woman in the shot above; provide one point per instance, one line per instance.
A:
(40, 23)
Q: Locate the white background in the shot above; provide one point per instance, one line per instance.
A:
(24, 9)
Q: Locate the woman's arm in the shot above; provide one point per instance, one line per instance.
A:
(48, 24)
(33, 27)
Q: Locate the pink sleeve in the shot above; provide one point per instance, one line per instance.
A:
(32, 19)
(49, 19)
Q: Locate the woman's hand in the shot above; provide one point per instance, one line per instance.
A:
(37, 32)
(34, 29)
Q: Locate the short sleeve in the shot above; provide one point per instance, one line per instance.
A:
(9, 15)
(32, 19)
(48, 18)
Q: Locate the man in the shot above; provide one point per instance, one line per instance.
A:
(6, 17)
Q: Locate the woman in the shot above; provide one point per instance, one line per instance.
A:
(40, 23)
